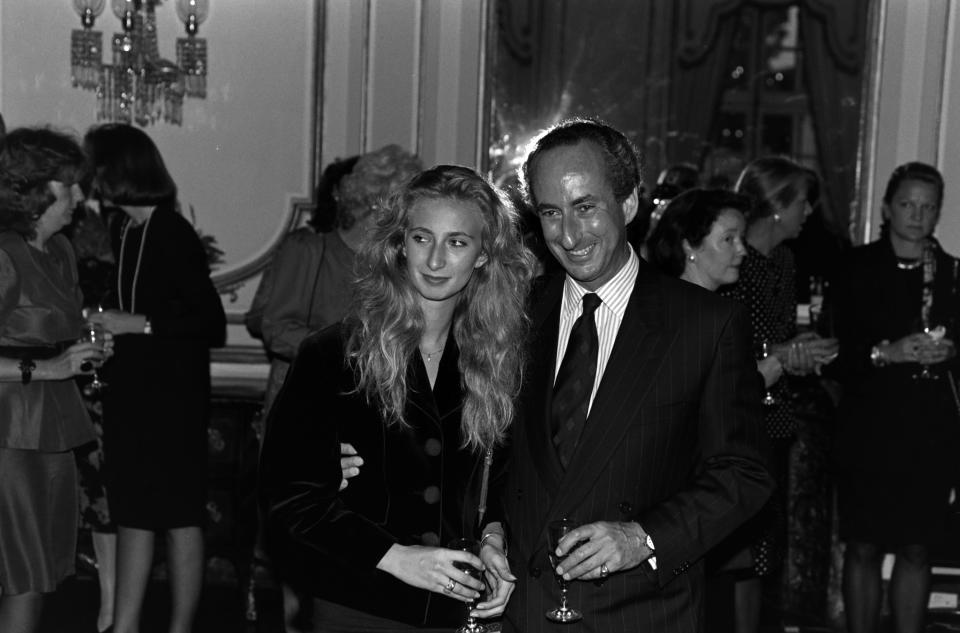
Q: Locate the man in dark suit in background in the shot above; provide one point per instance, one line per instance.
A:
(640, 419)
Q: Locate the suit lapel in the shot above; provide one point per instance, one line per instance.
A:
(546, 324)
(448, 389)
(446, 397)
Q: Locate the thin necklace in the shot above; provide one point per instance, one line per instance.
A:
(429, 355)
(136, 270)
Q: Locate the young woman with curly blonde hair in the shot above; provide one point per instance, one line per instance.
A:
(420, 379)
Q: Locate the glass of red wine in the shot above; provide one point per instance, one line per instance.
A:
(556, 530)
(469, 545)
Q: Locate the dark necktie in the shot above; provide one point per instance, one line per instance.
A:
(571, 391)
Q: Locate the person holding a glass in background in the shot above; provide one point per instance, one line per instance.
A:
(420, 379)
(782, 194)
(899, 427)
(42, 417)
(165, 315)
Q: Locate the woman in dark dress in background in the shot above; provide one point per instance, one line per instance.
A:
(780, 192)
(166, 316)
(899, 434)
(420, 379)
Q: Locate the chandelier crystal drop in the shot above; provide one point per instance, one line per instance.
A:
(138, 85)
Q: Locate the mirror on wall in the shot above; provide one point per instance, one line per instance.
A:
(712, 83)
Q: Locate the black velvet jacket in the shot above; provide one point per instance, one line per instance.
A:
(417, 485)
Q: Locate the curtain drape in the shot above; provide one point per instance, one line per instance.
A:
(834, 88)
(835, 46)
(696, 88)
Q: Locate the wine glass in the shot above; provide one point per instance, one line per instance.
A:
(556, 530)
(469, 545)
(764, 352)
(94, 333)
(936, 333)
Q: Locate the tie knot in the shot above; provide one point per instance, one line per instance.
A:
(591, 301)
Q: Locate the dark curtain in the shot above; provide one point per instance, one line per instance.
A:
(834, 85)
(697, 84)
(835, 46)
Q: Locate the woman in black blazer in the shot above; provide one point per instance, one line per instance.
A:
(420, 379)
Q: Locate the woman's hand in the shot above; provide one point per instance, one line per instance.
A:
(918, 348)
(431, 568)
(350, 463)
(937, 351)
(806, 353)
(117, 322)
(79, 358)
(107, 344)
(771, 369)
(499, 578)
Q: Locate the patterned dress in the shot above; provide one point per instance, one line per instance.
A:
(767, 287)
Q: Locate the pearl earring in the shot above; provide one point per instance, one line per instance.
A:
(776, 217)
(691, 257)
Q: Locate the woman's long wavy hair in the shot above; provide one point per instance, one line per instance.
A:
(489, 322)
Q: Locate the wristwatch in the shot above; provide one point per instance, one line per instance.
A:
(26, 367)
(877, 359)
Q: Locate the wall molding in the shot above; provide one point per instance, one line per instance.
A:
(228, 281)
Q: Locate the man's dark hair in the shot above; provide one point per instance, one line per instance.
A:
(621, 161)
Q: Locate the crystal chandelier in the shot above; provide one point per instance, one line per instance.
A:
(139, 85)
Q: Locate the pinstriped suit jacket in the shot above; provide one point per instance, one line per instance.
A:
(673, 441)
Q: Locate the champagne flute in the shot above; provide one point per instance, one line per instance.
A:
(765, 351)
(556, 530)
(469, 545)
(936, 333)
(94, 333)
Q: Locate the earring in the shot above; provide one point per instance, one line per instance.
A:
(691, 257)
(776, 217)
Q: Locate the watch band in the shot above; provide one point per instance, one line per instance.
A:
(877, 358)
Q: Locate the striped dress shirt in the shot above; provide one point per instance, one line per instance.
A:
(614, 294)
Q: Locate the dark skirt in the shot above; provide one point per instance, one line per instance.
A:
(888, 509)
(38, 520)
(156, 474)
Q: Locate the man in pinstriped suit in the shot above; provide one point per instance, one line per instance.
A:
(668, 459)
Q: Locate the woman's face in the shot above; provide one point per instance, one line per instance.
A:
(443, 245)
(59, 214)
(913, 211)
(716, 262)
(795, 214)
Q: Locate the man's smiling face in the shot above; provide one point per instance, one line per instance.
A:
(583, 224)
